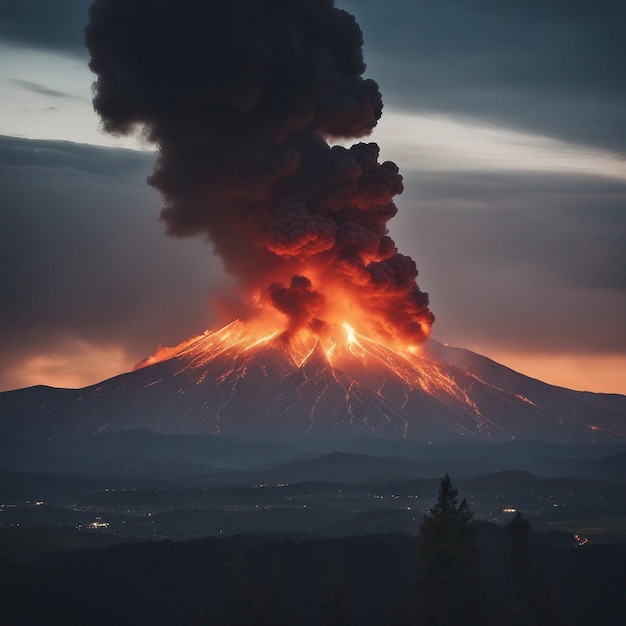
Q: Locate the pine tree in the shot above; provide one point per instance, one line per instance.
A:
(242, 602)
(521, 562)
(521, 614)
(534, 599)
(449, 586)
(399, 613)
(275, 607)
(334, 608)
(205, 616)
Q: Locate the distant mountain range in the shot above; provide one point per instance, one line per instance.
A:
(234, 382)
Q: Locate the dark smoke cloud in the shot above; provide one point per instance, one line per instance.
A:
(300, 302)
(240, 98)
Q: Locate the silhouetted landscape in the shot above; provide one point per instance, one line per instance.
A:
(70, 576)
(136, 527)
(142, 484)
(105, 523)
(321, 459)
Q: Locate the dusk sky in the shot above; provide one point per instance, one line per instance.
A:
(507, 121)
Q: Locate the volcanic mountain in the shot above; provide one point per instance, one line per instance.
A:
(237, 381)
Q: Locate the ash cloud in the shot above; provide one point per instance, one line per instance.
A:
(240, 99)
(300, 302)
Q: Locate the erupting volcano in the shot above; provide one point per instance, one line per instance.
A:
(241, 102)
(247, 378)
(252, 379)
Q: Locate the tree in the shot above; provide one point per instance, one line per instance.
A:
(241, 602)
(205, 616)
(334, 608)
(520, 614)
(534, 601)
(275, 607)
(521, 562)
(449, 587)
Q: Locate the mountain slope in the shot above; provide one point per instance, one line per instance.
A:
(237, 382)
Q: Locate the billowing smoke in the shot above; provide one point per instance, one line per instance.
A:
(240, 98)
(299, 301)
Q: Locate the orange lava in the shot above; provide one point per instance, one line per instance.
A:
(341, 326)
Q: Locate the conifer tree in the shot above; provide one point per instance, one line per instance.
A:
(520, 614)
(449, 587)
(275, 607)
(334, 608)
(534, 599)
(521, 561)
(241, 603)
(205, 616)
(399, 613)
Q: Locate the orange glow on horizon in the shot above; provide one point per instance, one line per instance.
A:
(597, 373)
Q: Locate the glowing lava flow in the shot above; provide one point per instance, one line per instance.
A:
(320, 381)
(342, 347)
(255, 377)
(241, 337)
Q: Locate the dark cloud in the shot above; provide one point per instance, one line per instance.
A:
(240, 104)
(84, 258)
(556, 68)
(299, 302)
(26, 154)
(41, 89)
(53, 25)
(527, 261)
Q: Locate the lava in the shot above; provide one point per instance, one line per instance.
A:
(254, 378)
(337, 368)
(340, 344)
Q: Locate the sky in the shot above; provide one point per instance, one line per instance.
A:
(507, 121)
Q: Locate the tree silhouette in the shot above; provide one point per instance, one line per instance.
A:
(534, 600)
(274, 603)
(521, 562)
(205, 616)
(334, 608)
(449, 586)
(241, 602)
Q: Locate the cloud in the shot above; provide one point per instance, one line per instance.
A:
(553, 68)
(85, 261)
(516, 263)
(41, 89)
(513, 260)
(520, 260)
(428, 142)
(43, 24)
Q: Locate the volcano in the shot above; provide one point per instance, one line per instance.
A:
(239, 381)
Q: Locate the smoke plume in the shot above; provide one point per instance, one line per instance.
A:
(241, 98)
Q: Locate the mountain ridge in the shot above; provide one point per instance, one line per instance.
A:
(237, 382)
